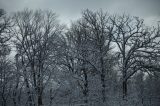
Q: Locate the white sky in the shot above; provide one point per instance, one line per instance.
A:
(71, 9)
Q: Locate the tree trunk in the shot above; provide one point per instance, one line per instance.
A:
(28, 93)
(39, 85)
(34, 73)
(103, 87)
(103, 80)
(14, 98)
(40, 100)
(85, 91)
(27, 85)
(4, 103)
(124, 89)
(39, 91)
(124, 83)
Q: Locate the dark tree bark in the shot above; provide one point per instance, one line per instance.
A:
(85, 91)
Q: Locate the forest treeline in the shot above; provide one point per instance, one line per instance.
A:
(99, 60)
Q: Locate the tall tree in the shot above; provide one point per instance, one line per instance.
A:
(132, 38)
(78, 37)
(101, 34)
(5, 64)
(36, 35)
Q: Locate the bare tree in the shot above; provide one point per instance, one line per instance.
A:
(36, 33)
(79, 41)
(88, 63)
(101, 33)
(5, 64)
(132, 39)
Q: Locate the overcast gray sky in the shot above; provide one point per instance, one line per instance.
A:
(71, 9)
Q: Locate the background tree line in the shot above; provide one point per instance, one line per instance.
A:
(100, 59)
